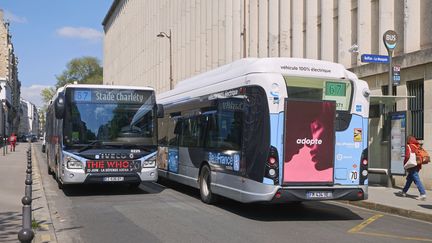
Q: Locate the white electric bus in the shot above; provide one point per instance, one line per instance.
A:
(102, 134)
(268, 130)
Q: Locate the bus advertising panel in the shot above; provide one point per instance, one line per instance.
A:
(309, 141)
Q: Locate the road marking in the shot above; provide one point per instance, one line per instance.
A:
(357, 230)
(395, 236)
(365, 223)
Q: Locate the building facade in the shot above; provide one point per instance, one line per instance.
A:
(29, 119)
(10, 85)
(205, 34)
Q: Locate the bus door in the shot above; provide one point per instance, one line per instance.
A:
(309, 137)
(174, 130)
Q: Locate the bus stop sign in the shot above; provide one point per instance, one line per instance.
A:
(390, 39)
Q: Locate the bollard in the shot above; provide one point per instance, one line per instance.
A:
(28, 187)
(26, 233)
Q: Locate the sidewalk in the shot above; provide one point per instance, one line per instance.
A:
(12, 176)
(386, 200)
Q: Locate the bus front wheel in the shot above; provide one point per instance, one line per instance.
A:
(207, 195)
(50, 171)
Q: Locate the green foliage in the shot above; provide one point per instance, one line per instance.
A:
(35, 224)
(84, 70)
(47, 94)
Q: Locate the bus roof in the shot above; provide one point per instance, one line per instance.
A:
(245, 66)
(104, 86)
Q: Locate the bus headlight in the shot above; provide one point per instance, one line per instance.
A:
(73, 163)
(149, 163)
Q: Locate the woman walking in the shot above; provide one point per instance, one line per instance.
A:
(413, 173)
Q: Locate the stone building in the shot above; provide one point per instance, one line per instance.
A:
(9, 82)
(205, 34)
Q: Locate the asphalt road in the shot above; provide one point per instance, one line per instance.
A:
(170, 212)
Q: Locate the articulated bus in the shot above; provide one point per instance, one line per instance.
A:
(102, 134)
(271, 130)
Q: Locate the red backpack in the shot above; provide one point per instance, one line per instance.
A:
(422, 156)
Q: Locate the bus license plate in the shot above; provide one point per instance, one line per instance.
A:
(114, 178)
(319, 195)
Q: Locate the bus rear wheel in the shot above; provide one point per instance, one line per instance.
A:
(207, 195)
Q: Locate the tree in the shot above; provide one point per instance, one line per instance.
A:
(47, 94)
(84, 70)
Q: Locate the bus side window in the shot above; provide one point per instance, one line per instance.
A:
(191, 132)
(211, 140)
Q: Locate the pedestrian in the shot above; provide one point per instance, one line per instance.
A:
(12, 142)
(413, 173)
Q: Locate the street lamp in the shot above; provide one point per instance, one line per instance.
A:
(162, 35)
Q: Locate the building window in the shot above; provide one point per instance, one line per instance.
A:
(416, 105)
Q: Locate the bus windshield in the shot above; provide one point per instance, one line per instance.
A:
(321, 89)
(115, 117)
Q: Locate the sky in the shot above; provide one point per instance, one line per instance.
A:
(47, 34)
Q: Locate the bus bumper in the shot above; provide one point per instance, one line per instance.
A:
(75, 176)
(290, 194)
(250, 191)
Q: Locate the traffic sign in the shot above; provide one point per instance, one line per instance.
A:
(374, 58)
(396, 75)
(390, 39)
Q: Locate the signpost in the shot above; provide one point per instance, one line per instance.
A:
(390, 40)
(374, 58)
(395, 137)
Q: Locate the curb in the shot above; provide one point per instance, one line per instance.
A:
(393, 210)
(45, 231)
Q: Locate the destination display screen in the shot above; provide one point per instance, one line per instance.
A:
(335, 89)
(109, 96)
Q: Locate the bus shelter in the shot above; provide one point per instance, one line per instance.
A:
(388, 129)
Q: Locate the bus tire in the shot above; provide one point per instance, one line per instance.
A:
(49, 170)
(207, 195)
(60, 185)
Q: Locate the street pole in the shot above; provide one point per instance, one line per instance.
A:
(171, 64)
(162, 35)
(244, 29)
(390, 40)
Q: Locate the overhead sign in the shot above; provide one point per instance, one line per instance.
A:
(374, 58)
(390, 38)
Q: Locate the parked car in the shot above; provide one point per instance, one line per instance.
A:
(22, 138)
(32, 138)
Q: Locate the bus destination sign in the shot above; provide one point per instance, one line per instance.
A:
(109, 96)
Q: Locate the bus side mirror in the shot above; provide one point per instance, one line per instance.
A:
(59, 106)
(160, 111)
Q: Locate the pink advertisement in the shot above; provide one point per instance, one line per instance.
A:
(309, 141)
